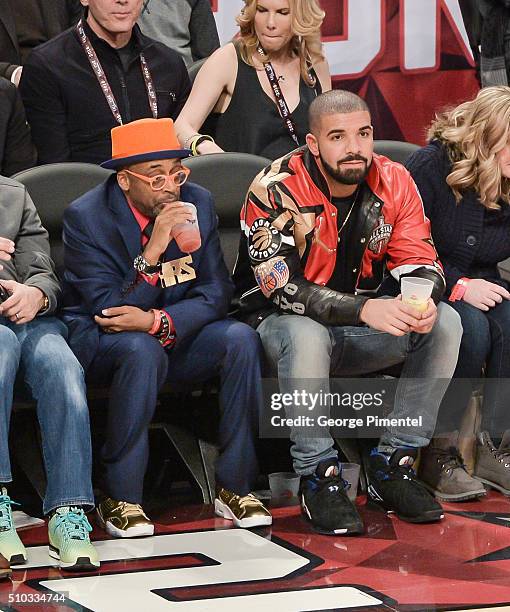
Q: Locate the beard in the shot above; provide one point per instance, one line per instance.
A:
(153, 211)
(350, 176)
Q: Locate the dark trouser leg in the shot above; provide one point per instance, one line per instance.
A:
(232, 350)
(136, 364)
(474, 350)
(496, 404)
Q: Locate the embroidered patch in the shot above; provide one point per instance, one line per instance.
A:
(271, 275)
(264, 241)
(380, 236)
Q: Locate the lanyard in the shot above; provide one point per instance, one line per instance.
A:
(103, 81)
(280, 100)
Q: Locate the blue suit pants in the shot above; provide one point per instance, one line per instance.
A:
(137, 367)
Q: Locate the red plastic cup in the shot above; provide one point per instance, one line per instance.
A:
(187, 235)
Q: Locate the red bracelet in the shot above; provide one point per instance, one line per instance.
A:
(157, 322)
(459, 289)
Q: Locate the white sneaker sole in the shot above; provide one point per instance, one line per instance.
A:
(225, 512)
(83, 565)
(132, 532)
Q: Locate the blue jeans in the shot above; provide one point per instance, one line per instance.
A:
(137, 367)
(485, 344)
(55, 380)
(300, 348)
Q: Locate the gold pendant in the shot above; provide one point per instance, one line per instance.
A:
(177, 271)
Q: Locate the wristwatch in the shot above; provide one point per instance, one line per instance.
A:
(45, 306)
(141, 265)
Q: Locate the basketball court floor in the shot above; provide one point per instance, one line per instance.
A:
(197, 562)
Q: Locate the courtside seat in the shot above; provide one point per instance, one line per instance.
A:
(194, 68)
(504, 268)
(396, 150)
(52, 187)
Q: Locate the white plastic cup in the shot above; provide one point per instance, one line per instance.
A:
(416, 292)
(187, 235)
(350, 473)
(284, 485)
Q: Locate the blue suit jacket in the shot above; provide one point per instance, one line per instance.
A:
(102, 238)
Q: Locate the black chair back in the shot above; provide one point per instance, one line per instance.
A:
(52, 188)
(194, 68)
(396, 150)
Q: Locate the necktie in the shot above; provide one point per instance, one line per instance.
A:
(147, 232)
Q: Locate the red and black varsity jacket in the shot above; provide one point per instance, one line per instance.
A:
(289, 241)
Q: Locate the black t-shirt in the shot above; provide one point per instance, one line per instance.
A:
(343, 279)
(252, 123)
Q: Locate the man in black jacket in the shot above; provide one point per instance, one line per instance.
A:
(95, 76)
(16, 149)
(24, 24)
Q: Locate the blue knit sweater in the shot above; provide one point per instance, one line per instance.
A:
(469, 239)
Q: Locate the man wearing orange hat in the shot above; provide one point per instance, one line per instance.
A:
(141, 311)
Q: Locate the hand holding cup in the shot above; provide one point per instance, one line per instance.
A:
(416, 292)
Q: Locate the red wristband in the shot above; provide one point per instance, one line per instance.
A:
(157, 322)
(459, 289)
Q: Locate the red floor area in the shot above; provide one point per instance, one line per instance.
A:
(196, 562)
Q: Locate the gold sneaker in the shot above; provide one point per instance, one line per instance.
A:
(123, 520)
(247, 511)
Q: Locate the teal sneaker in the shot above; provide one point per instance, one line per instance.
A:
(68, 532)
(11, 546)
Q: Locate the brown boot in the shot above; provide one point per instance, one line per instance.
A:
(443, 472)
(493, 464)
(5, 570)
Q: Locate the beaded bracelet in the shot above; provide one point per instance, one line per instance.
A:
(165, 335)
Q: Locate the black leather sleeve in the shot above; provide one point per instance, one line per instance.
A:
(437, 279)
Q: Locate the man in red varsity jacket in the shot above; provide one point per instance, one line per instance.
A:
(324, 230)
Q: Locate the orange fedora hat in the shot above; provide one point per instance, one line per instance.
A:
(144, 140)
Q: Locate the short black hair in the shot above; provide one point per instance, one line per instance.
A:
(332, 102)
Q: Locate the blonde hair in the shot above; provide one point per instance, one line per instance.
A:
(474, 132)
(306, 21)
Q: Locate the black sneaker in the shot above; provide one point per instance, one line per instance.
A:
(325, 503)
(393, 486)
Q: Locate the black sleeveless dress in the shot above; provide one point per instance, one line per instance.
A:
(252, 123)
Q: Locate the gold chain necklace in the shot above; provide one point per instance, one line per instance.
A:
(350, 211)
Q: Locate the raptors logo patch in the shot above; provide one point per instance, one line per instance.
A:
(271, 275)
(380, 236)
(264, 241)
